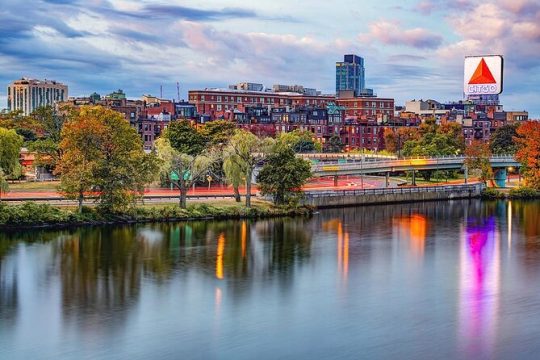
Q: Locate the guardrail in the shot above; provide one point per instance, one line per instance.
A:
(407, 190)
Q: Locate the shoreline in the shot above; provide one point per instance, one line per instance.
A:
(54, 217)
(35, 216)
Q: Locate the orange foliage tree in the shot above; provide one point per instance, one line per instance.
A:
(528, 154)
(477, 156)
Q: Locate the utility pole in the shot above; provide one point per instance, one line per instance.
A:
(160, 92)
(178, 91)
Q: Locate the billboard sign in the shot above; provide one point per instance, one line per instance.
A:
(483, 75)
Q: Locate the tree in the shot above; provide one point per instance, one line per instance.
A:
(395, 138)
(4, 186)
(300, 141)
(234, 174)
(217, 132)
(502, 141)
(182, 169)
(435, 140)
(10, 148)
(528, 153)
(477, 156)
(283, 174)
(185, 138)
(335, 145)
(102, 152)
(50, 122)
(246, 150)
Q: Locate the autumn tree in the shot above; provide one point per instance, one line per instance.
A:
(102, 152)
(283, 174)
(528, 152)
(435, 140)
(395, 138)
(502, 141)
(246, 150)
(477, 156)
(181, 168)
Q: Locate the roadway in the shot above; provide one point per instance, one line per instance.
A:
(161, 195)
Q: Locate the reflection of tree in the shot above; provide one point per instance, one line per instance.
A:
(526, 213)
(100, 269)
(9, 286)
(288, 242)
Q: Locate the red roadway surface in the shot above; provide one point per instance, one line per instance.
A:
(344, 183)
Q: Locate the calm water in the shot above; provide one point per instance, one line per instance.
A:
(422, 281)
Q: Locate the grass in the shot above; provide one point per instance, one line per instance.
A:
(31, 214)
(34, 185)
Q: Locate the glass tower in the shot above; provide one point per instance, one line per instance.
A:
(350, 74)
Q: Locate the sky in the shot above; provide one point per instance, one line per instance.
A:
(413, 49)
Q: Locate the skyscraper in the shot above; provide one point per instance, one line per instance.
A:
(28, 94)
(350, 74)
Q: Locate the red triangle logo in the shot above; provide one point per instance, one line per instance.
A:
(482, 75)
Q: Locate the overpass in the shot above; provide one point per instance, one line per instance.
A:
(371, 165)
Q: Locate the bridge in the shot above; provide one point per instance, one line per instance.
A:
(377, 165)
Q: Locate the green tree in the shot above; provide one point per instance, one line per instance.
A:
(477, 156)
(502, 141)
(234, 174)
(102, 152)
(182, 169)
(335, 145)
(217, 132)
(10, 148)
(245, 151)
(185, 138)
(49, 121)
(4, 186)
(283, 174)
(300, 141)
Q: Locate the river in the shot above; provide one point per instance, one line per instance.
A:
(458, 279)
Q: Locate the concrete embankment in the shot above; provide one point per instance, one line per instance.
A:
(327, 199)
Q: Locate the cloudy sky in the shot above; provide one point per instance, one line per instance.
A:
(413, 48)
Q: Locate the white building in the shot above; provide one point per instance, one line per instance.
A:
(28, 94)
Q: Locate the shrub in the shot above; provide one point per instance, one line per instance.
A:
(523, 192)
(491, 194)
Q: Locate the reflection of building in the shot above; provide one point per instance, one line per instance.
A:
(28, 94)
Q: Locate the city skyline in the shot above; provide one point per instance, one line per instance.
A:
(412, 49)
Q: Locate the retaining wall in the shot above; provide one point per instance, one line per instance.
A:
(393, 195)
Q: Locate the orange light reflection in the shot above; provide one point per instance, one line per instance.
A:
(244, 238)
(219, 258)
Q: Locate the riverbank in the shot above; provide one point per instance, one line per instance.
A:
(518, 193)
(34, 215)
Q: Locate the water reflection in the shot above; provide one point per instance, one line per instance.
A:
(387, 282)
(414, 229)
(479, 287)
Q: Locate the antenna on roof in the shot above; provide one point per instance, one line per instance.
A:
(160, 92)
(178, 90)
